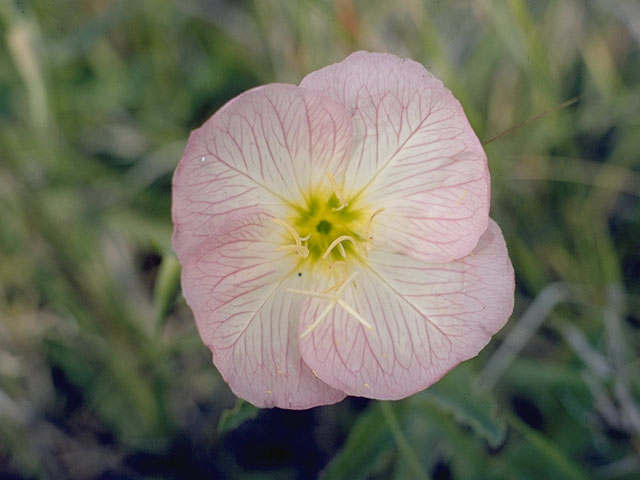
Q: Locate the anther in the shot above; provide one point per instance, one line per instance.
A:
(338, 242)
(336, 190)
(368, 236)
(298, 248)
(289, 228)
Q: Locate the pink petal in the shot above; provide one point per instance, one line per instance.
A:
(265, 147)
(259, 153)
(236, 283)
(426, 319)
(416, 154)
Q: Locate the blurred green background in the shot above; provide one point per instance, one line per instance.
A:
(102, 372)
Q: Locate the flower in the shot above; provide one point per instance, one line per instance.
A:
(335, 237)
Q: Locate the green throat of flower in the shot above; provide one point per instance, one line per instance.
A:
(332, 232)
(322, 223)
(328, 227)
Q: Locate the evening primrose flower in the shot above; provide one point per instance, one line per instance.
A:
(335, 237)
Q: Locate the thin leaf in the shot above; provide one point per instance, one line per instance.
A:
(456, 394)
(232, 418)
(404, 447)
(368, 442)
(547, 457)
(167, 287)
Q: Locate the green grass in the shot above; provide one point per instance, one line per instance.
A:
(101, 367)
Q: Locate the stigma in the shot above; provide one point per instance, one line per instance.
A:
(334, 299)
(330, 234)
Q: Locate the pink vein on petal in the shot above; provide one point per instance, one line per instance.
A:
(427, 318)
(256, 156)
(265, 147)
(414, 145)
(237, 289)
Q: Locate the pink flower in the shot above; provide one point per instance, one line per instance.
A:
(335, 237)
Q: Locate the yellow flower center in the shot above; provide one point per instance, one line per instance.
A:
(327, 227)
(330, 231)
(324, 219)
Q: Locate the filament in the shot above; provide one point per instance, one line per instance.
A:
(338, 241)
(298, 248)
(368, 235)
(336, 190)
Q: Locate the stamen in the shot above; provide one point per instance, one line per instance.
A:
(338, 241)
(340, 278)
(333, 301)
(336, 190)
(337, 209)
(368, 237)
(289, 228)
(338, 263)
(344, 284)
(342, 266)
(298, 248)
(310, 293)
